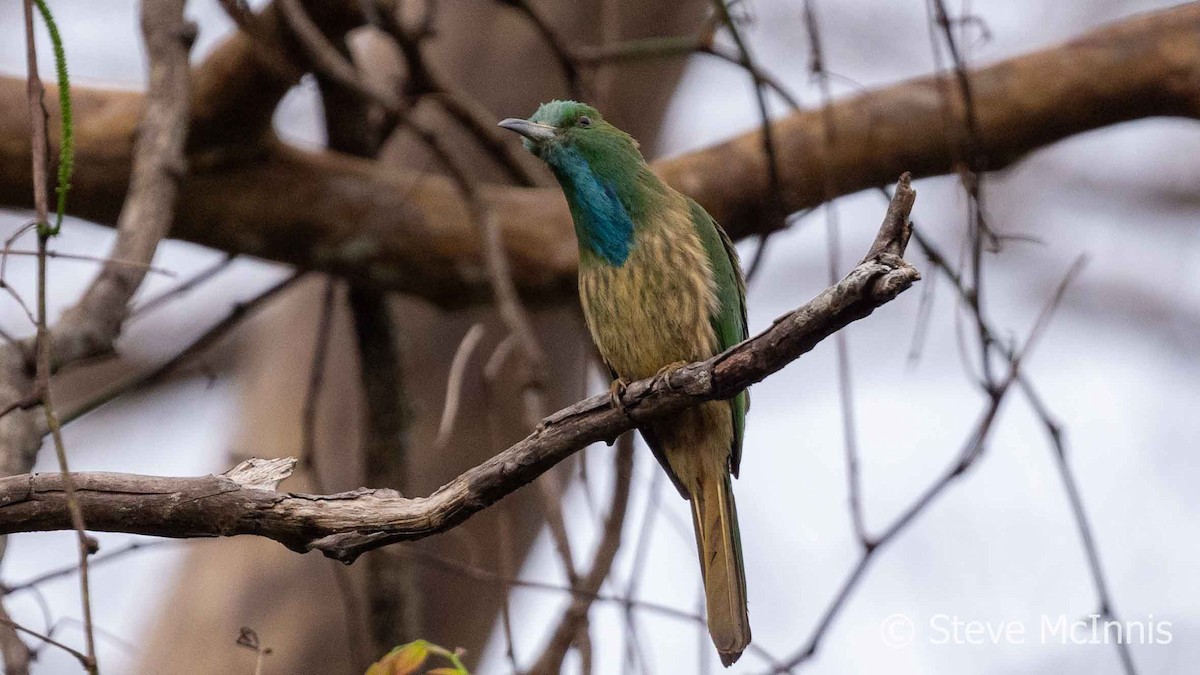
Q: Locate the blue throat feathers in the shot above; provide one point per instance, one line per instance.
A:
(602, 223)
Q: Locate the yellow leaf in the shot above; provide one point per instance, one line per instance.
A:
(446, 671)
(403, 660)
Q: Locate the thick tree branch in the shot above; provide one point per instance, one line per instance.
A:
(344, 525)
(413, 232)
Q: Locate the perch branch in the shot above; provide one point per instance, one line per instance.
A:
(344, 525)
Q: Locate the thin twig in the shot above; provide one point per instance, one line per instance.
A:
(774, 183)
(626, 602)
(972, 450)
(639, 49)
(492, 371)
(574, 619)
(471, 115)
(184, 287)
(84, 659)
(972, 179)
(535, 365)
(833, 252)
(637, 567)
(8, 243)
(106, 557)
(507, 568)
(316, 378)
(37, 118)
(454, 384)
(555, 42)
(16, 654)
(1054, 433)
(93, 258)
(325, 58)
(213, 335)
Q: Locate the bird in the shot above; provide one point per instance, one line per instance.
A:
(660, 285)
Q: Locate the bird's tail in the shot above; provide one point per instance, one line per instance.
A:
(718, 540)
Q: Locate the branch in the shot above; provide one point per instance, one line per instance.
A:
(15, 653)
(412, 232)
(1054, 433)
(344, 525)
(972, 450)
(158, 166)
(574, 620)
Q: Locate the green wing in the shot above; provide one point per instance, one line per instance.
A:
(729, 321)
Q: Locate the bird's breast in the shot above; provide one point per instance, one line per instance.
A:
(654, 309)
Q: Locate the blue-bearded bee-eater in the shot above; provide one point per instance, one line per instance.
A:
(661, 285)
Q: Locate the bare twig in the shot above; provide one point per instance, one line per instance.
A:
(971, 451)
(53, 255)
(974, 164)
(574, 619)
(183, 287)
(90, 327)
(1054, 434)
(774, 182)
(37, 120)
(555, 42)
(833, 250)
(99, 559)
(507, 565)
(84, 659)
(210, 337)
(535, 365)
(316, 378)
(633, 646)
(471, 115)
(454, 384)
(326, 59)
(508, 302)
(15, 653)
(625, 601)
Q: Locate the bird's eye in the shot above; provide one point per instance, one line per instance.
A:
(584, 121)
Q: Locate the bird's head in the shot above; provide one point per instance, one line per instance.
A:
(565, 133)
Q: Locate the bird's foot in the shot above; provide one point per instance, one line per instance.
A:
(666, 371)
(615, 391)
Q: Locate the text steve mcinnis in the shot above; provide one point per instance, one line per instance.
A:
(1061, 629)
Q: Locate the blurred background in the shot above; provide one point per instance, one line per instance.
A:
(1117, 368)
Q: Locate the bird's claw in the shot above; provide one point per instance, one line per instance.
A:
(666, 371)
(615, 391)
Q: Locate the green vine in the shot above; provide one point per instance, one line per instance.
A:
(66, 152)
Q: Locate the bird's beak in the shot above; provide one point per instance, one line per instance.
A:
(534, 131)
